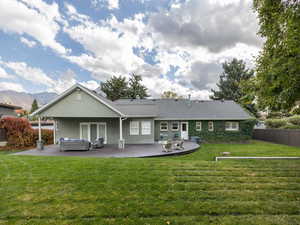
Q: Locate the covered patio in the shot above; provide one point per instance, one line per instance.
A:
(112, 151)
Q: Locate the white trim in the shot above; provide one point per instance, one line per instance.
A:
(212, 129)
(89, 130)
(150, 130)
(230, 128)
(54, 131)
(197, 125)
(177, 126)
(130, 127)
(70, 90)
(167, 129)
(256, 157)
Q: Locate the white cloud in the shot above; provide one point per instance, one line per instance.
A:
(38, 76)
(91, 84)
(35, 75)
(4, 74)
(110, 4)
(33, 17)
(159, 85)
(226, 30)
(11, 86)
(27, 42)
(109, 45)
(113, 4)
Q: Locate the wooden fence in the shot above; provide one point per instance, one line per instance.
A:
(3, 134)
(279, 136)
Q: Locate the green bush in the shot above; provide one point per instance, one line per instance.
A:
(295, 120)
(278, 115)
(275, 123)
(296, 111)
(291, 126)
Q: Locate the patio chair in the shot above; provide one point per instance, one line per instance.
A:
(178, 145)
(98, 143)
(166, 146)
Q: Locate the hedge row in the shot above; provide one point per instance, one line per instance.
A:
(20, 133)
(284, 123)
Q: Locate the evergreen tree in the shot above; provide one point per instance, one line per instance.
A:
(34, 106)
(233, 85)
(115, 88)
(136, 89)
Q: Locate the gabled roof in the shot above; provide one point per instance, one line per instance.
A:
(93, 94)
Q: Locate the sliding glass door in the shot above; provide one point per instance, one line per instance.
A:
(91, 131)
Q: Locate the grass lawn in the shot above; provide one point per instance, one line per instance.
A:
(190, 189)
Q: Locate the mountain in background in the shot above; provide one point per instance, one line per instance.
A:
(24, 99)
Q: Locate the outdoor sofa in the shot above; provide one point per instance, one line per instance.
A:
(67, 144)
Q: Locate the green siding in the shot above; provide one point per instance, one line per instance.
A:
(138, 139)
(70, 127)
(167, 134)
(71, 106)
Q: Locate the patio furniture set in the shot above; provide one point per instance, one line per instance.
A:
(171, 145)
(68, 144)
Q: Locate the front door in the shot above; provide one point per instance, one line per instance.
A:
(184, 130)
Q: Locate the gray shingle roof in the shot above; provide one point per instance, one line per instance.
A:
(183, 109)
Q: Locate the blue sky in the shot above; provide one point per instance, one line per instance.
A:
(178, 45)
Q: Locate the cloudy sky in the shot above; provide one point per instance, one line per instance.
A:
(179, 45)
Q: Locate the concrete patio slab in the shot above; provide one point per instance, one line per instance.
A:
(111, 151)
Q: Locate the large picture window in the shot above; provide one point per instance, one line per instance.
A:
(163, 126)
(134, 127)
(232, 126)
(146, 127)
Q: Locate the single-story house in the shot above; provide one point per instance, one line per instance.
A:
(8, 110)
(86, 114)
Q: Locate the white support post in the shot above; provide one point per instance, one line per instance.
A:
(54, 131)
(40, 130)
(121, 141)
(39, 143)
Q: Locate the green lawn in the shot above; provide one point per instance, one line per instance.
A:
(190, 189)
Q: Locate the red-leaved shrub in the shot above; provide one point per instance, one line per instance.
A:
(20, 133)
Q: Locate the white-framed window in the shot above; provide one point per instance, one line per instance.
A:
(210, 126)
(232, 126)
(134, 127)
(175, 126)
(146, 127)
(163, 126)
(198, 126)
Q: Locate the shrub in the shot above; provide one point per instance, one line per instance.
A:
(20, 133)
(296, 111)
(47, 136)
(295, 120)
(291, 126)
(275, 123)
